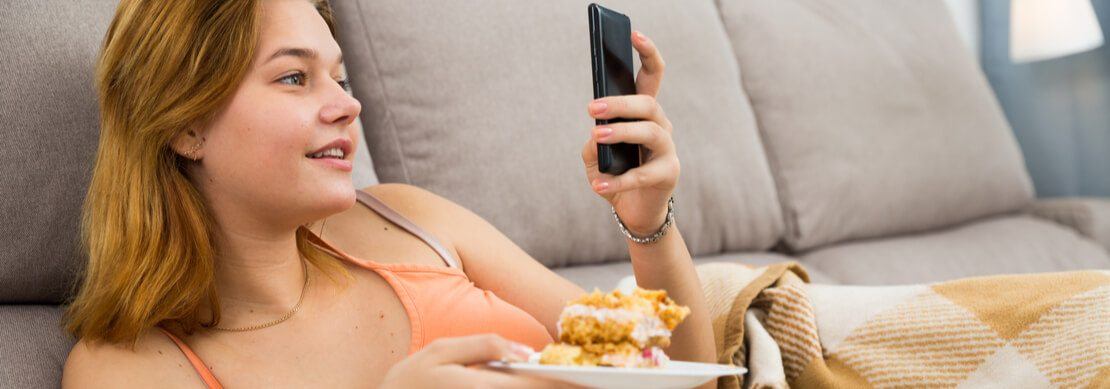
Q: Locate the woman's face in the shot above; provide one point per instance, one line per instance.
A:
(257, 160)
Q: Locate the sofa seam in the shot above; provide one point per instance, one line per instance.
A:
(389, 117)
(788, 214)
(1079, 214)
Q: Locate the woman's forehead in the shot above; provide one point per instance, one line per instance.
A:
(294, 24)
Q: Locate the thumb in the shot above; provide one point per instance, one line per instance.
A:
(473, 349)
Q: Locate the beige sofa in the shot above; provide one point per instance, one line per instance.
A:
(857, 137)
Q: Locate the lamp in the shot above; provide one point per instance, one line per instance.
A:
(1044, 29)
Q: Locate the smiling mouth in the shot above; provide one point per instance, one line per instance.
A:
(337, 149)
(332, 153)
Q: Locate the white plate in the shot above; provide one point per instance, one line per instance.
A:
(675, 374)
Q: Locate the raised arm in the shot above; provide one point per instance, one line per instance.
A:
(639, 197)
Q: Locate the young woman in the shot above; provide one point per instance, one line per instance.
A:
(224, 160)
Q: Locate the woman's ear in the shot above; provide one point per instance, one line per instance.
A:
(189, 144)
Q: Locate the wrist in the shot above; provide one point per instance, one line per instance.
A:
(649, 228)
(653, 234)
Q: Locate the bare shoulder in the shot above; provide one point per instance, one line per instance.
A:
(423, 207)
(155, 362)
(434, 214)
(410, 199)
(429, 210)
(412, 202)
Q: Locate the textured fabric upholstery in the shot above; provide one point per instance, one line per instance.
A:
(1001, 245)
(1089, 216)
(493, 116)
(876, 118)
(605, 276)
(33, 348)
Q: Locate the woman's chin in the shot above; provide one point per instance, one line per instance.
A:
(335, 197)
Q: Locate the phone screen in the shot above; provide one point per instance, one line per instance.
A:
(611, 52)
(616, 48)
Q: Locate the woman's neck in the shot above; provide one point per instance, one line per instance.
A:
(259, 276)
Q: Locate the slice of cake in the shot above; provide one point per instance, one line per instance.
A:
(615, 329)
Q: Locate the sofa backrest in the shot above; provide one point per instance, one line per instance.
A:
(48, 110)
(485, 103)
(876, 118)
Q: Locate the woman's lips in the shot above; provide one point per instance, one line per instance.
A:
(341, 164)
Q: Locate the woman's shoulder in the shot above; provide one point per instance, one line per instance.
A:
(410, 200)
(422, 207)
(154, 362)
(429, 211)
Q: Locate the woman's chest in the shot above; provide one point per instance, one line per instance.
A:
(350, 342)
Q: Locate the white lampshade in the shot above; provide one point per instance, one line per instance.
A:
(1043, 29)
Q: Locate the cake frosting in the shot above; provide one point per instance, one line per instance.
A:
(615, 329)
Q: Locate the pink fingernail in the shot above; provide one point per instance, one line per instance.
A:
(521, 351)
(598, 106)
(601, 186)
(604, 132)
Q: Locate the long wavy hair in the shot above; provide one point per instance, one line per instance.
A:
(164, 66)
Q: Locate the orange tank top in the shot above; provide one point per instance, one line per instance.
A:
(428, 294)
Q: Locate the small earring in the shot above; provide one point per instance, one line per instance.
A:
(192, 152)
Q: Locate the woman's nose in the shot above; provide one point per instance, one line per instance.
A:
(341, 109)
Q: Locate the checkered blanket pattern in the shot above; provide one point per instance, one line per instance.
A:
(1049, 330)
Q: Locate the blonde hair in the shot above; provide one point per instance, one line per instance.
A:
(164, 67)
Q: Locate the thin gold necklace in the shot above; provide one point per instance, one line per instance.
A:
(281, 319)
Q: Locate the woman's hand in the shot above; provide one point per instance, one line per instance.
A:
(638, 195)
(443, 364)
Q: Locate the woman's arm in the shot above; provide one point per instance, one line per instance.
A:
(639, 197)
(493, 262)
(666, 264)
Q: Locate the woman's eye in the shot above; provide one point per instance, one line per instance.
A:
(293, 79)
(298, 79)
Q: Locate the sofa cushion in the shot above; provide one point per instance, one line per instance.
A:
(33, 347)
(1000, 245)
(50, 117)
(606, 276)
(1089, 216)
(485, 103)
(49, 112)
(875, 116)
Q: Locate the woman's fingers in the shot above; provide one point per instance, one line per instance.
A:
(648, 134)
(473, 349)
(656, 139)
(629, 107)
(589, 153)
(652, 173)
(651, 69)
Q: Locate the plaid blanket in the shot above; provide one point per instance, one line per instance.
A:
(1031, 330)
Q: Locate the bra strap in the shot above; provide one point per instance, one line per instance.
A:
(198, 365)
(378, 206)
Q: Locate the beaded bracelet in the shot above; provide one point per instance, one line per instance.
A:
(653, 237)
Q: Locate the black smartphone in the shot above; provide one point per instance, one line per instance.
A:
(611, 51)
